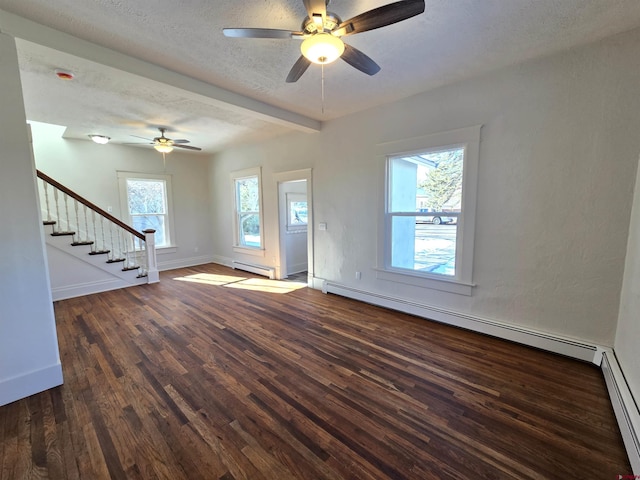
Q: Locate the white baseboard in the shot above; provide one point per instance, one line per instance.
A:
(89, 288)
(553, 343)
(29, 384)
(185, 262)
(624, 406)
(224, 261)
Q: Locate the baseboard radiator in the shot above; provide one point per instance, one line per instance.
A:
(545, 341)
(624, 406)
(257, 269)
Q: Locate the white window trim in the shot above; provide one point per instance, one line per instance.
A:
(240, 175)
(171, 247)
(462, 283)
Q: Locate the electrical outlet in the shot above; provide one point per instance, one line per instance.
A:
(322, 226)
(358, 275)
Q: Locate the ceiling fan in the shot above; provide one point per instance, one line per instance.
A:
(166, 145)
(321, 32)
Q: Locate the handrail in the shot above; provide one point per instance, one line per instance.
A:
(90, 205)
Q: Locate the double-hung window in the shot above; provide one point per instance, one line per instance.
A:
(248, 216)
(430, 210)
(146, 200)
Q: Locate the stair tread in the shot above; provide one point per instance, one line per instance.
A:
(49, 222)
(62, 234)
(126, 269)
(77, 244)
(99, 252)
(116, 260)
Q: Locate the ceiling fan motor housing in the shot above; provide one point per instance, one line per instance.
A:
(331, 21)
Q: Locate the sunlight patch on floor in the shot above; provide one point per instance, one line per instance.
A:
(244, 283)
(210, 279)
(269, 286)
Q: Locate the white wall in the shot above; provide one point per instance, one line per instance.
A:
(558, 158)
(628, 332)
(29, 358)
(91, 170)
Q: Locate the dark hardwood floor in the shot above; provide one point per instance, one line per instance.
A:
(194, 380)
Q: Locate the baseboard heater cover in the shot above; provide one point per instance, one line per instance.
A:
(257, 269)
(552, 343)
(624, 406)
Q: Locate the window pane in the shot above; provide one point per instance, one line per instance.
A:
(249, 229)
(429, 184)
(146, 196)
(440, 181)
(298, 213)
(143, 222)
(248, 195)
(421, 246)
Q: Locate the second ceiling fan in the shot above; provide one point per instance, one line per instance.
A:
(166, 145)
(322, 30)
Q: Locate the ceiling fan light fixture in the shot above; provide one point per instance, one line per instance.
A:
(322, 48)
(101, 139)
(163, 148)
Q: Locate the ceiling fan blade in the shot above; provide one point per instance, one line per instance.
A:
(298, 69)
(188, 147)
(144, 138)
(380, 17)
(181, 140)
(359, 60)
(258, 33)
(317, 10)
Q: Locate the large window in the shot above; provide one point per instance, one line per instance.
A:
(425, 203)
(248, 217)
(430, 210)
(145, 200)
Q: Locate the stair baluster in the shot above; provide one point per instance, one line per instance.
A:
(134, 249)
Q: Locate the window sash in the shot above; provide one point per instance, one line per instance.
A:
(252, 238)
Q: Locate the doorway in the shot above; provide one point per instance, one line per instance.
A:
(295, 225)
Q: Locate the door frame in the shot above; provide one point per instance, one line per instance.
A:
(293, 176)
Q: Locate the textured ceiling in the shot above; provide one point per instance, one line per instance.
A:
(451, 41)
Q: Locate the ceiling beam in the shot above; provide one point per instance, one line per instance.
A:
(24, 29)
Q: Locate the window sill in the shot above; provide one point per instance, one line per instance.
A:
(258, 252)
(449, 285)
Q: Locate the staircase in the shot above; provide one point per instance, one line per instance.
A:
(103, 251)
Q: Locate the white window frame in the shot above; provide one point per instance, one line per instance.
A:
(462, 282)
(124, 203)
(242, 175)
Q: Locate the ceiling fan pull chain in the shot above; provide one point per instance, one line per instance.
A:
(322, 88)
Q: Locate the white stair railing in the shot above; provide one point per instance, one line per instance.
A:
(71, 214)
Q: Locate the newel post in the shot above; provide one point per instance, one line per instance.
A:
(153, 276)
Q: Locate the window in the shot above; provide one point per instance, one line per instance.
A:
(248, 215)
(297, 217)
(145, 200)
(430, 210)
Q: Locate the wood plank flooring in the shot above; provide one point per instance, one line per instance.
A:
(194, 380)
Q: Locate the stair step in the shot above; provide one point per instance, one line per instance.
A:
(62, 234)
(99, 252)
(49, 222)
(116, 260)
(144, 275)
(77, 244)
(126, 269)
